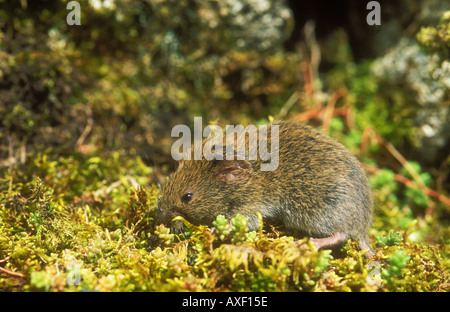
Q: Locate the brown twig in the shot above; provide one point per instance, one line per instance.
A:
(346, 111)
(330, 108)
(412, 184)
(370, 132)
(309, 114)
(87, 129)
(4, 260)
(417, 183)
(17, 274)
(308, 79)
(314, 113)
(312, 47)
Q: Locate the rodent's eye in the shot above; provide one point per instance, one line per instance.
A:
(187, 197)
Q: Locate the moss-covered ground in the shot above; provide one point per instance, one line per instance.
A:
(106, 239)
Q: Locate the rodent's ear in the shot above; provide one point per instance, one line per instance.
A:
(231, 170)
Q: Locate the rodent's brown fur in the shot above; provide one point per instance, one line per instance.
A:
(319, 189)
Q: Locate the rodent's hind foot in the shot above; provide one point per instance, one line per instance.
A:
(336, 239)
(365, 246)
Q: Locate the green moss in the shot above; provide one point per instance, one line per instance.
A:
(392, 239)
(437, 38)
(40, 281)
(58, 244)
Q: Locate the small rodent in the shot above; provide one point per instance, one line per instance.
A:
(319, 189)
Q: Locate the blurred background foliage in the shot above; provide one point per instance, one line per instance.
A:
(89, 108)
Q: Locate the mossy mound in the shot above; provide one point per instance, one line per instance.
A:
(108, 240)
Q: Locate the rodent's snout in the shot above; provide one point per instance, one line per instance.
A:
(164, 216)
